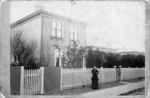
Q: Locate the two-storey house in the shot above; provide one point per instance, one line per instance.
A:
(52, 32)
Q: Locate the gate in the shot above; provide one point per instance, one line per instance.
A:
(31, 81)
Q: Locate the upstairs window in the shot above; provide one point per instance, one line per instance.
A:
(74, 32)
(54, 29)
(57, 29)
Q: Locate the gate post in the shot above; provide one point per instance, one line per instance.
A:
(84, 62)
(116, 72)
(22, 81)
(42, 80)
(102, 75)
(120, 72)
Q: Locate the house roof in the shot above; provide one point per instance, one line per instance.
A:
(115, 50)
(132, 52)
(39, 12)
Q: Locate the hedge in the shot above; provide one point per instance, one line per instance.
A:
(109, 60)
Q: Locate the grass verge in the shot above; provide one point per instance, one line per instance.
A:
(139, 91)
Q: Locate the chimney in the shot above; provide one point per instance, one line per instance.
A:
(39, 7)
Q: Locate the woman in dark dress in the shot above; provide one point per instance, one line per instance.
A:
(95, 78)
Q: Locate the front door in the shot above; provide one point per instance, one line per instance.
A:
(58, 57)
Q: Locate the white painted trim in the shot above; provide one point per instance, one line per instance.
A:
(57, 21)
(78, 29)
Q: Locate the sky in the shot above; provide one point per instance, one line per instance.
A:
(112, 24)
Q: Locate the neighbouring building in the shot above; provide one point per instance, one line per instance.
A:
(115, 51)
(52, 32)
(104, 49)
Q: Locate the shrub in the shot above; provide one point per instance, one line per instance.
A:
(74, 56)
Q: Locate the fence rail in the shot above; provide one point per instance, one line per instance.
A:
(31, 81)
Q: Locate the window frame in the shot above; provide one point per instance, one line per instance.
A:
(57, 29)
(75, 33)
(60, 29)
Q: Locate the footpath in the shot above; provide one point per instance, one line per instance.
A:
(115, 91)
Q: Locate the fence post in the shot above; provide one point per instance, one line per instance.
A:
(120, 73)
(42, 80)
(22, 81)
(102, 74)
(84, 72)
(128, 73)
(115, 71)
(84, 63)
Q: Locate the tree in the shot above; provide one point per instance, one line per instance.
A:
(90, 59)
(95, 58)
(73, 56)
(23, 50)
(111, 60)
(127, 60)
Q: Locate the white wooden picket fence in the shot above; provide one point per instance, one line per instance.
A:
(31, 81)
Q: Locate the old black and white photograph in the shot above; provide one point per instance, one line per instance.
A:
(75, 48)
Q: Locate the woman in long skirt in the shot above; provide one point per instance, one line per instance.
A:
(95, 78)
